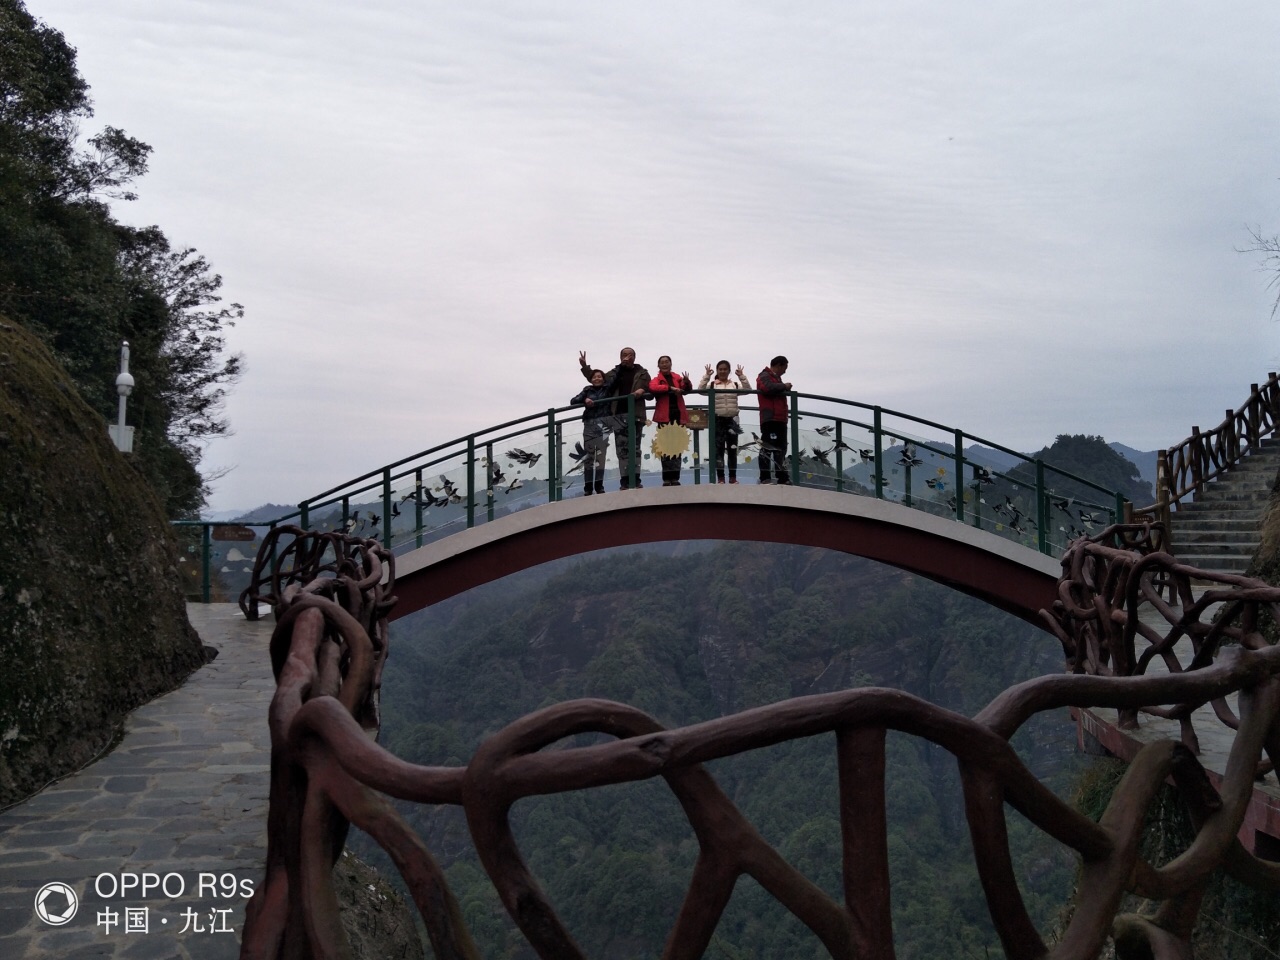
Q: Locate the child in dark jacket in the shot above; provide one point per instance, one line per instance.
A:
(598, 420)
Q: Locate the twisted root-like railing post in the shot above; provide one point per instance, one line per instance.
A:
(1109, 579)
(331, 598)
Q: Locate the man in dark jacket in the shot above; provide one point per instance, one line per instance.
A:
(627, 377)
(773, 420)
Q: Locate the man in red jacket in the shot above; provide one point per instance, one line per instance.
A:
(773, 420)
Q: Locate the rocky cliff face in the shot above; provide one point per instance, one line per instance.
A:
(92, 620)
(1266, 561)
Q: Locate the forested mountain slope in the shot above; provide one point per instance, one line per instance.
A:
(694, 637)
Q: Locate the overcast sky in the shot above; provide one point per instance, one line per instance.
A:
(1018, 219)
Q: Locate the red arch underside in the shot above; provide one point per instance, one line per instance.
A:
(1002, 582)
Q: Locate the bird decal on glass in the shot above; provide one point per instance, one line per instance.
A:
(523, 457)
(820, 455)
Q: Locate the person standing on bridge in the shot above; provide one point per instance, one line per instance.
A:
(597, 421)
(773, 420)
(669, 389)
(727, 426)
(628, 377)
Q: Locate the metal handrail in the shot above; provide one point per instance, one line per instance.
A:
(833, 442)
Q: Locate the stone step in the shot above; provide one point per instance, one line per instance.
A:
(1243, 522)
(1240, 535)
(1252, 464)
(1225, 503)
(1216, 531)
(1243, 488)
(1186, 546)
(1216, 563)
(1218, 494)
(1262, 461)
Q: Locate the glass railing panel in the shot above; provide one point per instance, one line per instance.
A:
(833, 444)
(474, 485)
(1075, 509)
(574, 459)
(1004, 501)
(918, 471)
(430, 500)
(191, 563)
(215, 560)
(648, 463)
(835, 453)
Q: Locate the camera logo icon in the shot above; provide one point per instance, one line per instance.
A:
(56, 903)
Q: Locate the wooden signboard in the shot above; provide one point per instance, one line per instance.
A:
(230, 531)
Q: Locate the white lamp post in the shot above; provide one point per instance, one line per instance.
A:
(121, 434)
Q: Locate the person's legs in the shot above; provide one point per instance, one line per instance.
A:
(595, 439)
(767, 449)
(624, 453)
(773, 439)
(721, 443)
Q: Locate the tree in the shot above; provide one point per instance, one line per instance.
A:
(83, 282)
(1091, 458)
(1269, 247)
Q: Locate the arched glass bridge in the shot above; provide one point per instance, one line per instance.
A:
(836, 445)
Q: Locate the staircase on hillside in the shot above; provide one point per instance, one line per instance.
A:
(1219, 530)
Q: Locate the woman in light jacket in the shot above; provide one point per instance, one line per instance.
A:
(727, 426)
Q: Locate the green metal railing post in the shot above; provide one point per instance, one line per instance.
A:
(386, 507)
(560, 484)
(417, 507)
(795, 436)
(697, 458)
(713, 473)
(206, 549)
(878, 437)
(959, 445)
(471, 481)
(906, 482)
(839, 456)
(346, 512)
(488, 477)
(1042, 519)
(551, 455)
(633, 462)
(304, 515)
(1119, 514)
(977, 502)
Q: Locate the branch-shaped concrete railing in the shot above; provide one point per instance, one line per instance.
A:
(328, 773)
(1108, 582)
(1186, 467)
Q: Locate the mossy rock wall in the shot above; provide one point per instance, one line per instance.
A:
(92, 619)
(1266, 561)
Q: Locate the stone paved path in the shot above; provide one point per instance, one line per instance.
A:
(183, 794)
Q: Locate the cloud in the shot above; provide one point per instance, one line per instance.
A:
(1021, 221)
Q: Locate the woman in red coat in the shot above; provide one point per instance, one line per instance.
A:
(668, 390)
